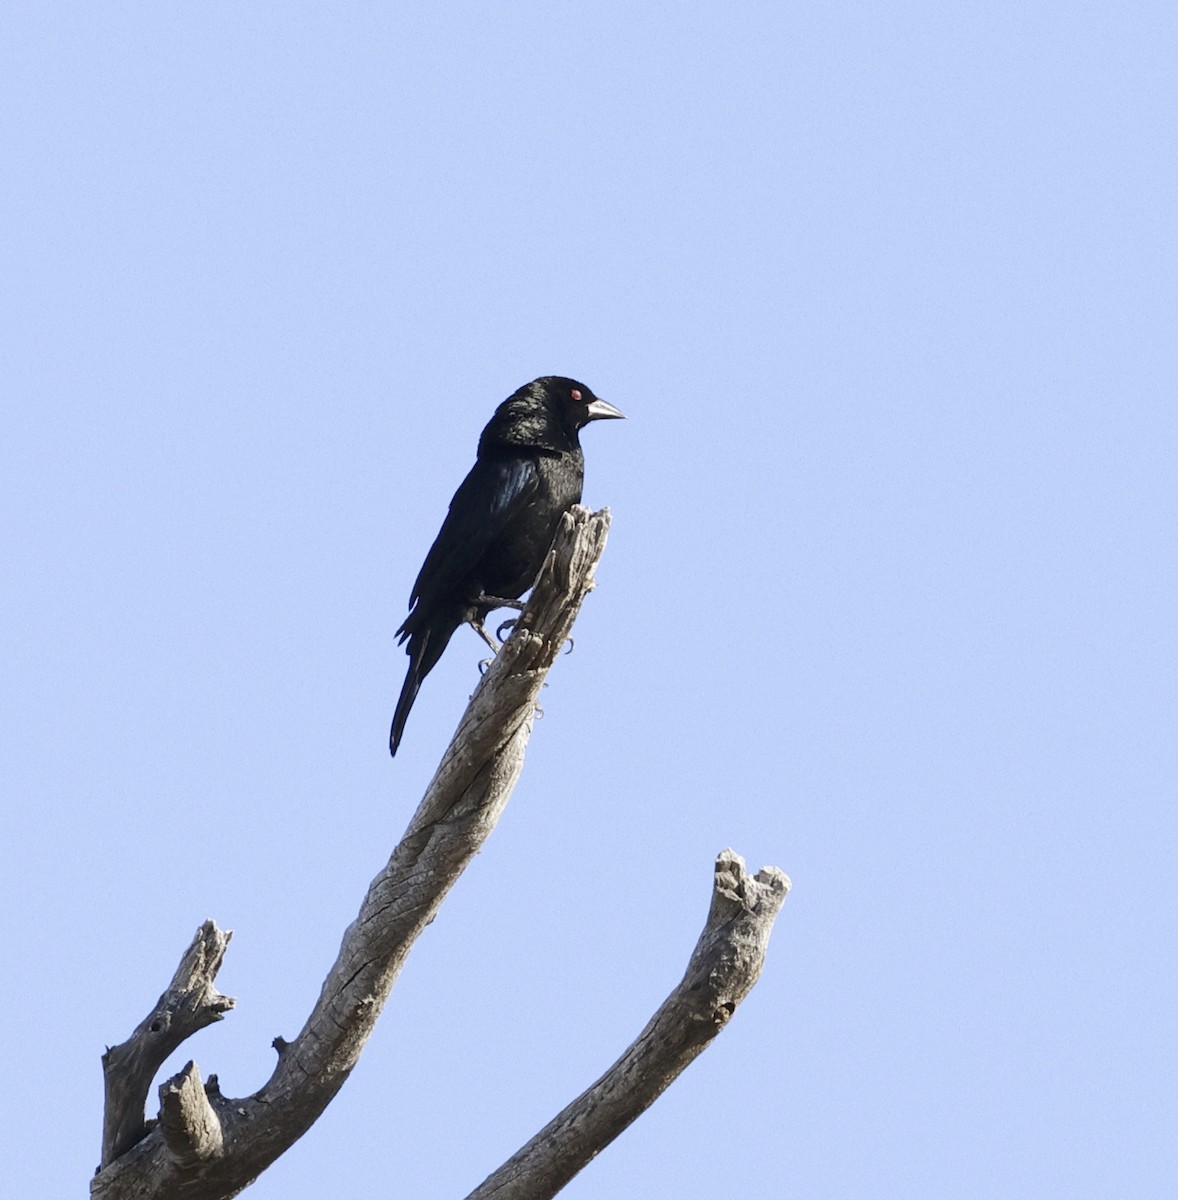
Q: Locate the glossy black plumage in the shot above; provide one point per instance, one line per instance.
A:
(501, 521)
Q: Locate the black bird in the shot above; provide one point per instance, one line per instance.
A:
(501, 521)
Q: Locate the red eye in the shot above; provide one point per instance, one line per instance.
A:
(576, 395)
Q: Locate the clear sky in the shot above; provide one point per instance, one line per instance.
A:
(888, 294)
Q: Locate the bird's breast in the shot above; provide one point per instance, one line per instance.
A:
(514, 558)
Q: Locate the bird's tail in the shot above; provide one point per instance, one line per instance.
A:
(424, 649)
(409, 690)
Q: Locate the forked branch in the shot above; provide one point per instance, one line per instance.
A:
(190, 1003)
(207, 1147)
(182, 1154)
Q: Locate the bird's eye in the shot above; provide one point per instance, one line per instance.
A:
(576, 395)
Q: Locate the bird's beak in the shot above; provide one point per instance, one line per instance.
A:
(599, 410)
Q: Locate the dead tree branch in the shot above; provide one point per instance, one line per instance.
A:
(182, 1155)
(205, 1146)
(724, 966)
(189, 1004)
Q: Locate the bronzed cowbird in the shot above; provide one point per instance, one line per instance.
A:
(501, 521)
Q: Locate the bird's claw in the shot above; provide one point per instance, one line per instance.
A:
(568, 646)
(510, 623)
(493, 602)
(481, 630)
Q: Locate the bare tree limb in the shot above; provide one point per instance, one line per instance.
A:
(189, 1004)
(724, 966)
(207, 1147)
(459, 810)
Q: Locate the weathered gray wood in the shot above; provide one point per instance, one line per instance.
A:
(725, 964)
(459, 810)
(189, 1004)
(208, 1147)
(191, 1129)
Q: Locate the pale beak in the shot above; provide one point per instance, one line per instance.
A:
(600, 410)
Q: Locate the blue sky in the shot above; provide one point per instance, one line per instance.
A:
(888, 296)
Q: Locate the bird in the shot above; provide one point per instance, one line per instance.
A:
(528, 472)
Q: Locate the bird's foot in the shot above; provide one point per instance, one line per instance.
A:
(490, 602)
(485, 665)
(481, 630)
(568, 646)
(510, 623)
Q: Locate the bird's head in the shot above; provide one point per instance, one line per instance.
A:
(575, 403)
(547, 413)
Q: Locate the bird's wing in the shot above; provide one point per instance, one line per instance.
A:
(487, 499)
